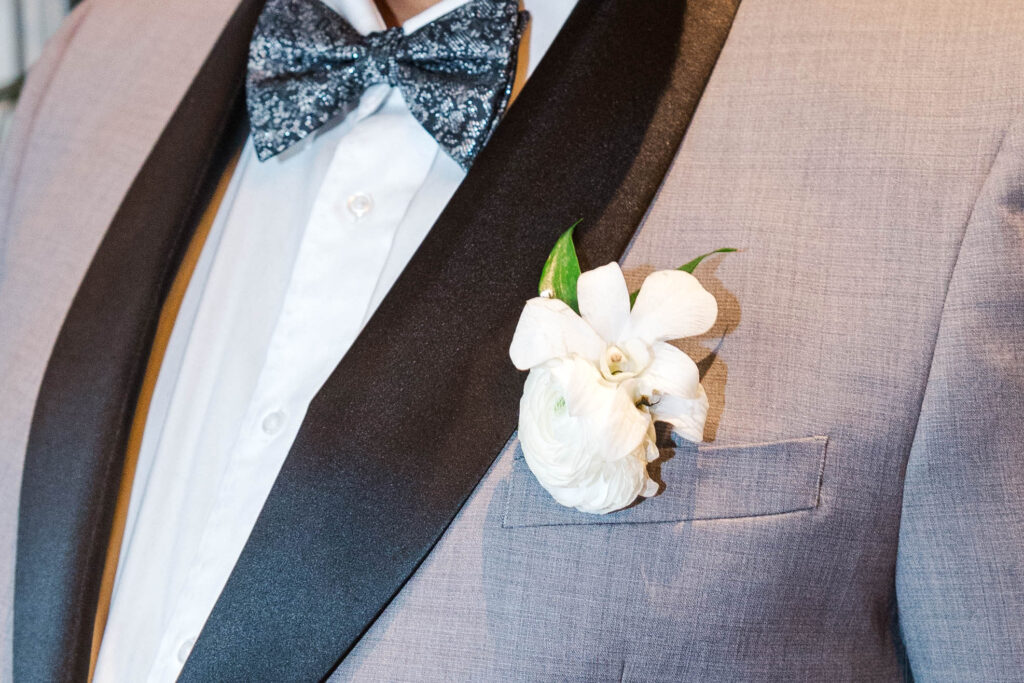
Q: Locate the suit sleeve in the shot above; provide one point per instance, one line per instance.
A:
(960, 564)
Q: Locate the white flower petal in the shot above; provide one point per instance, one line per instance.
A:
(686, 415)
(650, 489)
(616, 426)
(671, 305)
(671, 372)
(651, 444)
(583, 438)
(604, 300)
(612, 487)
(548, 329)
(553, 442)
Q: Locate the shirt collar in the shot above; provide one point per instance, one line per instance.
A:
(366, 18)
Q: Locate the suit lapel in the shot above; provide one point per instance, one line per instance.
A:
(80, 425)
(413, 416)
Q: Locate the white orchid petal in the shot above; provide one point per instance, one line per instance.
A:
(686, 415)
(671, 304)
(670, 372)
(626, 428)
(617, 426)
(548, 329)
(604, 300)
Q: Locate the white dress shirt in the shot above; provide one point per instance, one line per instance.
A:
(302, 250)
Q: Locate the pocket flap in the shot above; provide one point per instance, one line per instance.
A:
(701, 482)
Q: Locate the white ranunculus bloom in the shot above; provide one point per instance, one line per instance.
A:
(598, 380)
(583, 438)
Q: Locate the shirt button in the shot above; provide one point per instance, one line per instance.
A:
(186, 649)
(360, 204)
(273, 422)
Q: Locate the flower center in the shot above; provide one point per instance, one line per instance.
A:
(625, 361)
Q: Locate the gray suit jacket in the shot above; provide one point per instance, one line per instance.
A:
(858, 510)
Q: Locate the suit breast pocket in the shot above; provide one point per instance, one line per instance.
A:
(702, 482)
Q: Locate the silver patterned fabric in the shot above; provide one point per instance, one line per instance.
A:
(308, 65)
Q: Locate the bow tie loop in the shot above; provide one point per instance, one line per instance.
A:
(308, 65)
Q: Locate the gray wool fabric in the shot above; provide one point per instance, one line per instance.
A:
(870, 164)
(857, 512)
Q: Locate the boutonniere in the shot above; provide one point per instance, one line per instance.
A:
(602, 373)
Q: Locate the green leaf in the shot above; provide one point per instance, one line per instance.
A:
(692, 265)
(561, 271)
(689, 267)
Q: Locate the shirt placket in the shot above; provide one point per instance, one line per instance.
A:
(358, 208)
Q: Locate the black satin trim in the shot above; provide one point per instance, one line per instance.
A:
(91, 385)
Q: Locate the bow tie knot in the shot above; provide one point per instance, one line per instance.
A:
(381, 53)
(307, 65)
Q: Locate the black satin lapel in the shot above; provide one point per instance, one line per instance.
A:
(416, 412)
(82, 417)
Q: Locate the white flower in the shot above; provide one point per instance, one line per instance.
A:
(583, 438)
(598, 382)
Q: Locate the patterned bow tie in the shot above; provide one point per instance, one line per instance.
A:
(308, 65)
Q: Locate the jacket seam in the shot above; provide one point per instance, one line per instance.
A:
(894, 612)
(949, 285)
